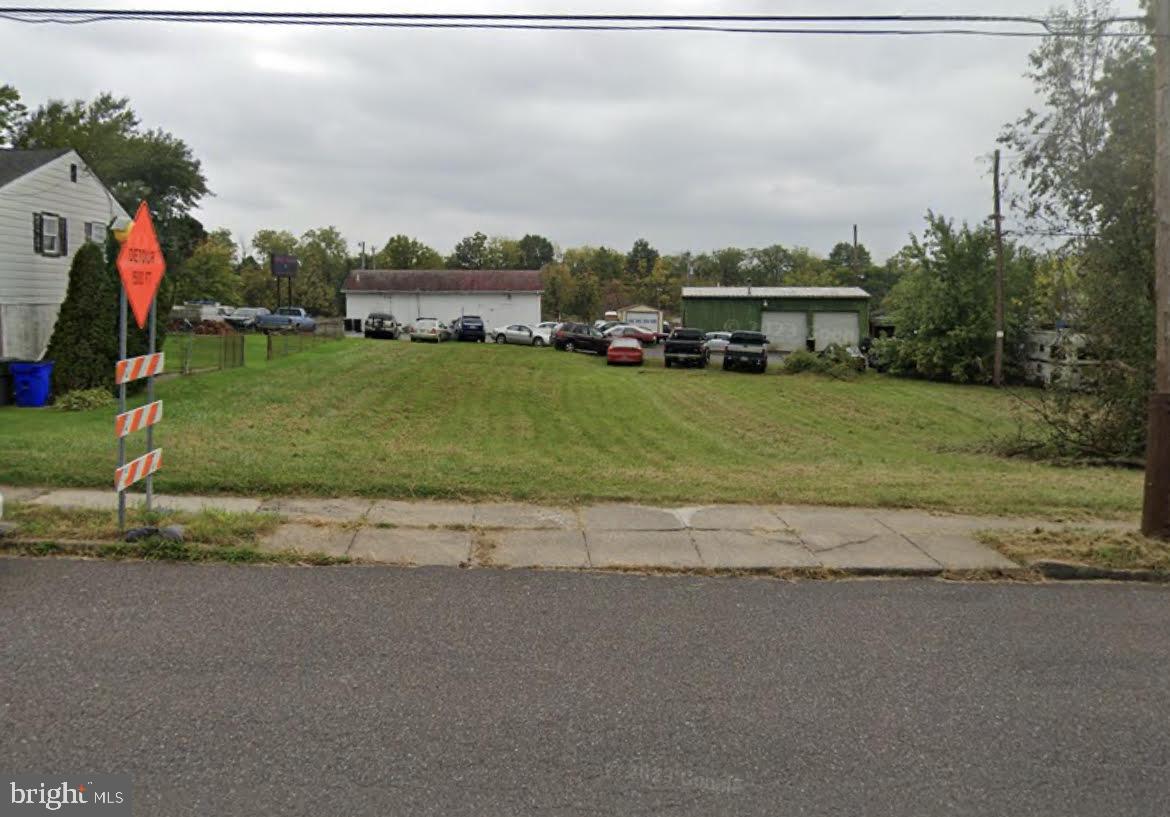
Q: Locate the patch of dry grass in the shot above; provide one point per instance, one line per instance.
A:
(1096, 547)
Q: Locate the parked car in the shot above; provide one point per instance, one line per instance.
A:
(381, 325)
(625, 330)
(624, 350)
(286, 319)
(469, 328)
(245, 317)
(548, 326)
(430, 330)
(746, 350)
(717, 341)
(519, 333)
(686, 347)
(570, 337)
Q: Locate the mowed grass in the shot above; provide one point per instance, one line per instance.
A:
(394, 419)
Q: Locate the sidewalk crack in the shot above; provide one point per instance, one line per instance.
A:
(913, 544)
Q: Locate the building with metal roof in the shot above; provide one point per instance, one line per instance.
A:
(792, 317)
(500, 297)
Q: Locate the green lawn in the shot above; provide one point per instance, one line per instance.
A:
(396, 419)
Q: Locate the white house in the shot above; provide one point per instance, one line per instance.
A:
(50, 203)
(500, 297)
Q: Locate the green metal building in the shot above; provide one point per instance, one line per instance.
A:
(792, 317)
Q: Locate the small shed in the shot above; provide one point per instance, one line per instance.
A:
(792, 317)
(642, 316)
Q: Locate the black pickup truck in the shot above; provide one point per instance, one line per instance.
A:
(746, 350)
(686, 347)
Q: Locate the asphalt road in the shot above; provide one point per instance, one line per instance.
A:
(229, 690)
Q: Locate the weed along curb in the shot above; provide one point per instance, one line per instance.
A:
(1073, 571)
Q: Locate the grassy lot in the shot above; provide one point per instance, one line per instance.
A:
(482, 421)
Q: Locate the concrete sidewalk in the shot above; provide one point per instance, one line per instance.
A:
(604, 536)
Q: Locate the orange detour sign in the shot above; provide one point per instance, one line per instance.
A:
(141, 265)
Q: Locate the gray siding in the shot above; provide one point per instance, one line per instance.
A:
(33, 286)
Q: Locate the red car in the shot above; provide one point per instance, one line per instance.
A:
(645, 336)
(624, 350)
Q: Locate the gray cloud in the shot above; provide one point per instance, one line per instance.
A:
(691, 140)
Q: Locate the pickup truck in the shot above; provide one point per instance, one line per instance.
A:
(747, 350)
(686, 347)
(286, 319)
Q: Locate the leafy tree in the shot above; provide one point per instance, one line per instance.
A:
(503, 253)
(607, 264)
(273, 242)
(324, 265)
(404, 252)
(84, 345)
(558, 290)
(640, 260)
(256, 284)
(586, 296)
(136, 164)
(1087, 164)
(944, 306)
(470, 253)
(844, 269)
(770, 266)
(536, 251)
(210, 272)
(725, 267)
(11, 113)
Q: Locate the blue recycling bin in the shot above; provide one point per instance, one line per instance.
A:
(30, 382)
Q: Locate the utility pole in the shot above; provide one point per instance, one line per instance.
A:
(856, 258)
(998, 374)
(1156, 504)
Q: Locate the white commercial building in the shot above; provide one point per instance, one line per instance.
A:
(500, 297)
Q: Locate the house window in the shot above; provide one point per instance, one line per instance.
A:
(73, 173)
(95, 232)
(50, 235)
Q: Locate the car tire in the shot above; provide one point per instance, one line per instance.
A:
(569, 346)
(538, 342)
(667, 362)
(501, 339)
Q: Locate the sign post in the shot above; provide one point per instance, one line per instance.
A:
(141, 267)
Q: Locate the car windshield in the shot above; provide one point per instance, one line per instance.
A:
(687, 334)
(425, 323)
(748, 337)
(244, 312)
(625, 342)
(472, 323)
(380, 316)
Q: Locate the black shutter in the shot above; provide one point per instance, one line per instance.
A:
(38, 234)
(62, 226)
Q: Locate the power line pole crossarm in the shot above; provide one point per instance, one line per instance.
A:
(1156, 504)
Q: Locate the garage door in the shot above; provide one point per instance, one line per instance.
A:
(835, 327)
(786, 331)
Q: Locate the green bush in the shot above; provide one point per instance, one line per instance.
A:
(804, 361)
(84, 346)
(85, 399)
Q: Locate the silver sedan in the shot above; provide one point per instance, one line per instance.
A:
(717, 341)
(521, 335)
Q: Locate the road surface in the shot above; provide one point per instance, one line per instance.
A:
(233, 690)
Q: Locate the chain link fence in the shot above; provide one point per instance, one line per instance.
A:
(282, 344)
(190, 353)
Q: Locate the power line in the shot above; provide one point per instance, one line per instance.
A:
(783, 24)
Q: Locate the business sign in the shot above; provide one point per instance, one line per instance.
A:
(284, 266)
(141, 265)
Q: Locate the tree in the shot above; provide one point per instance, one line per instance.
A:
(640, 260)
(586, 296)
(135, 164)
(536, 251)
(724, 267)
(256, 284)
(503, 253)
(11, 113)
(210, 272)
(404, 252)
(324, 265)
(844, 268)
(84, 345)
(558, 290)
(469, 253)
(944, 306)
(1086, 159)
(770, 266)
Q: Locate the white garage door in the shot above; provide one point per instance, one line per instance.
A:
(786, 331)
(644, 320)
(836, 327)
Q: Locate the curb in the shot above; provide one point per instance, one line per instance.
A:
(1074, 571)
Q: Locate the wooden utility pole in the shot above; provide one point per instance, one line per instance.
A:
(1156, 506)
(998, 373)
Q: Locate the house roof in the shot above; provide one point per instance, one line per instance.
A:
(774, 292)
(639, 308)
(15, 163)
(443, 280)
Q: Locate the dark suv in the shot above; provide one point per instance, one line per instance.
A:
(468, 327)
(381, 325)
(570, 337)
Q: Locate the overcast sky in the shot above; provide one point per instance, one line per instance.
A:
(693, 141)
